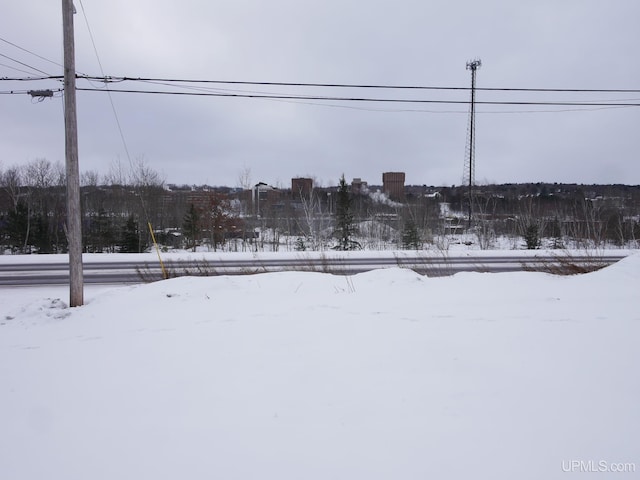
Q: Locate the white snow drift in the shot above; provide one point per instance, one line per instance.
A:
(382, 375)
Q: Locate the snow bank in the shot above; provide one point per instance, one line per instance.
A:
(386, 374)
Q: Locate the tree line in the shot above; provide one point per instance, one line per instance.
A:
(123, 210)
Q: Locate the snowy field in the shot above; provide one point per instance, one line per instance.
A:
(292, 375)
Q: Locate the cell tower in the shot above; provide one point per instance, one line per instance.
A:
(468, 177)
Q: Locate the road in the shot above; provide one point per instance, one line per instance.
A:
(32, 270)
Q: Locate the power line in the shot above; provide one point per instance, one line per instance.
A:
(27, 79)
(116, 79)
(361, 86)
(290, 96)
(30, 52)
(366, 99)
(205, 91)
(113, 107)
(23, 64)
(217, 90)
(124, 142)
(403, 110)
(12, 68)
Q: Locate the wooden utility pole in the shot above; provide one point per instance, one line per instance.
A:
(74, 230)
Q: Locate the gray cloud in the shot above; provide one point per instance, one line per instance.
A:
(549, 44)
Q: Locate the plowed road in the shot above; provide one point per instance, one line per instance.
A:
(31, 270)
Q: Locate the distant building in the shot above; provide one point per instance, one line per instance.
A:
(358, 186)
(200, 199)
(262, 196)
(393, 185)
(301, 187)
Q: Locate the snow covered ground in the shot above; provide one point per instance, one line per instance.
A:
(292, 375)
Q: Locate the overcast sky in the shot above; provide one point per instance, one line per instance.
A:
(557, 44)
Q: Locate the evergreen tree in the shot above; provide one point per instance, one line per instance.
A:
(191, 227)
(532, 236)
(345, 228)
(106, 231)
(130, 237)
(299, 245)
(410, 236)
(18, 226)
(41, 238)
(99, 234)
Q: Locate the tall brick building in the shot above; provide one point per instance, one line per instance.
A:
(393, 185)
(301, 187)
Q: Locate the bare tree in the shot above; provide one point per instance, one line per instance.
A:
(89, 178)
(39, 173)
(218, 218)
(117, 174)
(244, 178)
(142, 175)
(11, 181)
(314, 223)
(484, 220)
